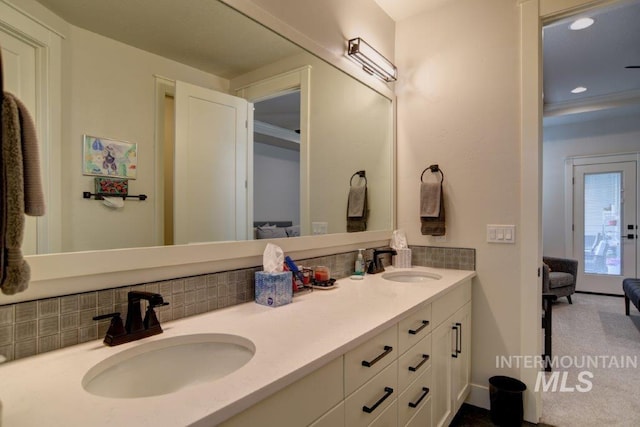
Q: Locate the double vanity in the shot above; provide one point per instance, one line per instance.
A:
(392, 349)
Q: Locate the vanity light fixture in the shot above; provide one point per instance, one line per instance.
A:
(371, 60)
(581, 24)
(579, 89)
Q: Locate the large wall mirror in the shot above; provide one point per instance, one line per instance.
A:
(122, 66)
(119, 71)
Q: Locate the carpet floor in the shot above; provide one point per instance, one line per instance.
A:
(597, 353)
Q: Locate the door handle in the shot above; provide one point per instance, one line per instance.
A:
(455, 351)
(629, 236)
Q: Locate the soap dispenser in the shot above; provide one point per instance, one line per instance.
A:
(359, 267)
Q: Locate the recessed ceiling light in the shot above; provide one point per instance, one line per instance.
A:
(581, 24)
(579, 89)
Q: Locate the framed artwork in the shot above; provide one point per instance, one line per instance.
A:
(109, 157)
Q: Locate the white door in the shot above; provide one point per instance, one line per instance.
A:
(605, 225)
(19, 72)
(211, 143)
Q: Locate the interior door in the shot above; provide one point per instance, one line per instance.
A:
(19, 73)
(605, 225)
(210, 189)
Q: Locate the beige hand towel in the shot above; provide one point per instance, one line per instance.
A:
(430, 199)
(433, 225)
(356, 203)
(357, 208)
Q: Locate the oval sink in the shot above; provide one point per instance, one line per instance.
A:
(168, 365)
(410, 276)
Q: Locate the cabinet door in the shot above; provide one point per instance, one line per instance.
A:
(442, 349)
(461, 365)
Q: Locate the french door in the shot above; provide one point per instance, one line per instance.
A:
(605, 225)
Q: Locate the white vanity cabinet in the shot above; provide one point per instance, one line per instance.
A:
(451, 344)
(414, 373)
(300, 403)
(414, 368)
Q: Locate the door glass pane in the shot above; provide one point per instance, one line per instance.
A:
(602, 207)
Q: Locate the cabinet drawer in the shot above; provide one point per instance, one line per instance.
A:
(389, 418)
(414, 328)
(299, 403)
(415, 397)
(333, 418)
(378, 352)
(375, 395)
(414, 362)
(446, 305)
(422, 418)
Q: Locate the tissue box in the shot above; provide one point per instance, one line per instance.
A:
(274, 289)
(403, 259)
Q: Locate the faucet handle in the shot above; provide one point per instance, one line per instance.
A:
(116, 328)
(150, 318)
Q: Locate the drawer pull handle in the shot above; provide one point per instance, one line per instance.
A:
(415, 331)
(425, 391)
(387, 349)
(425, 357)
(388, 391)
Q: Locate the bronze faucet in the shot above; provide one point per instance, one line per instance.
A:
(376, 266)
(135, 327)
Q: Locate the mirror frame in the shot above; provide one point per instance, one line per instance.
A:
(75, 272)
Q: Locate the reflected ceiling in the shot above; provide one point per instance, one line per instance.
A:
(184, 34)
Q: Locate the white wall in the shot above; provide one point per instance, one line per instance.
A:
(108, 91)
(276, 184)
(459, 106)
(350, 127)
(596, 137)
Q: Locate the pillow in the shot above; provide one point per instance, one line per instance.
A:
(293, 231)
(270, 232)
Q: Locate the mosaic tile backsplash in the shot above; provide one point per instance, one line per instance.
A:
(34, 327)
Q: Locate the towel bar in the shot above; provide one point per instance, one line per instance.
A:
(361, 174)
(100, 196)
(433, 168)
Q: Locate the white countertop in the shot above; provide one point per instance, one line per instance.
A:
(291, 341)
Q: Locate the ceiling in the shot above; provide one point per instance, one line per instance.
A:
(402, 9)
(594, 58)
(208, 35)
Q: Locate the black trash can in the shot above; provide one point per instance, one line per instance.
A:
(507, 408)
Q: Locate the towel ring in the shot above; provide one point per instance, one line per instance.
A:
(361, 174)
(433, 169)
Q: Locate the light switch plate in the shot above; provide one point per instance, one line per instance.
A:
(319, 227)
(499, 233)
